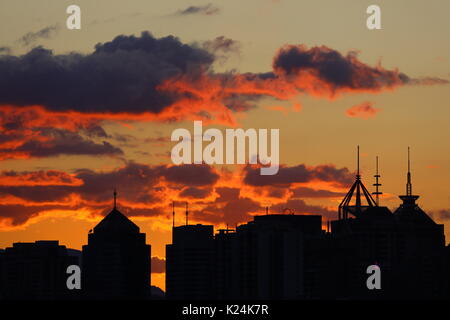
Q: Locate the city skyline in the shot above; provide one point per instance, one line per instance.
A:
(85, 111)
(275, 256)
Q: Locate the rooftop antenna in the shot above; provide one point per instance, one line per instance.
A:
(115, 198)
(377, 193)
(186, 213)
(409, 199)
(173, 214)
(358, 177)
(408, 183)
(357, 164)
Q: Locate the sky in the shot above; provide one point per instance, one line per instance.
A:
(84, 111)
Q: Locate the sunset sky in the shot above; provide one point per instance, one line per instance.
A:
(84, 111)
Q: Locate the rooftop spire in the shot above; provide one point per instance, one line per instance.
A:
(115, 198)
(409, 199)
(408, 183)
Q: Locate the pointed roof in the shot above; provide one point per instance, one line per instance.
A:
(116, 222)
(409, 211)
(413, 214)
(359, 193)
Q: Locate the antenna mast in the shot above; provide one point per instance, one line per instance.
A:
(115, 198)
(408, 183)
(377, 184)
(186, 213)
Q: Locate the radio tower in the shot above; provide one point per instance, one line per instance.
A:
(377, 193)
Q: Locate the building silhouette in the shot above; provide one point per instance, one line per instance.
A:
(190, 263)
(36, 271)
(116, 260)
(285, 256)
(273, 257)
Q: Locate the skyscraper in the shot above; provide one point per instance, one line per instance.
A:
(116, 260)
(190, 263)
(421, 243)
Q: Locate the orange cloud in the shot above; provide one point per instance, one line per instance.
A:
(215, 196)
(39, 178)
(364, 110)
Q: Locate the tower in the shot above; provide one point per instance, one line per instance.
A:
(420, 241)
(116, 260)
(377, 184)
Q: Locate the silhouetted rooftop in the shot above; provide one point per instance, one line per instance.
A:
(116, 222)
(377, 212)
(413, 214)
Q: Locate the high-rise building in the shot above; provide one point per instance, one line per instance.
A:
(116, 260)
(35, 271)
(190, 263)
(421, 243)
(276, 256)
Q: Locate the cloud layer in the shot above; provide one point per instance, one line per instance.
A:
(215, 196)
(166, 79)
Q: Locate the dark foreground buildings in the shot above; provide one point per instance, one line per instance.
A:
(36, 271)
(115, 264)
(281, 256)
(276, 256)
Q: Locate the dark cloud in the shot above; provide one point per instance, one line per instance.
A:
(5, 50)
(45, 33)
(195, 193)
(208, 10)
(191, 175)
(120, 75)
(222, 44)
(158, 265)
(334, 69)
(171, 80)
(56, 142)
(135, 182)
(298, 174)
(304, 192)
(285, 176)
(229, 207)
(440, 215)
(144, 190)
(19, 214)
